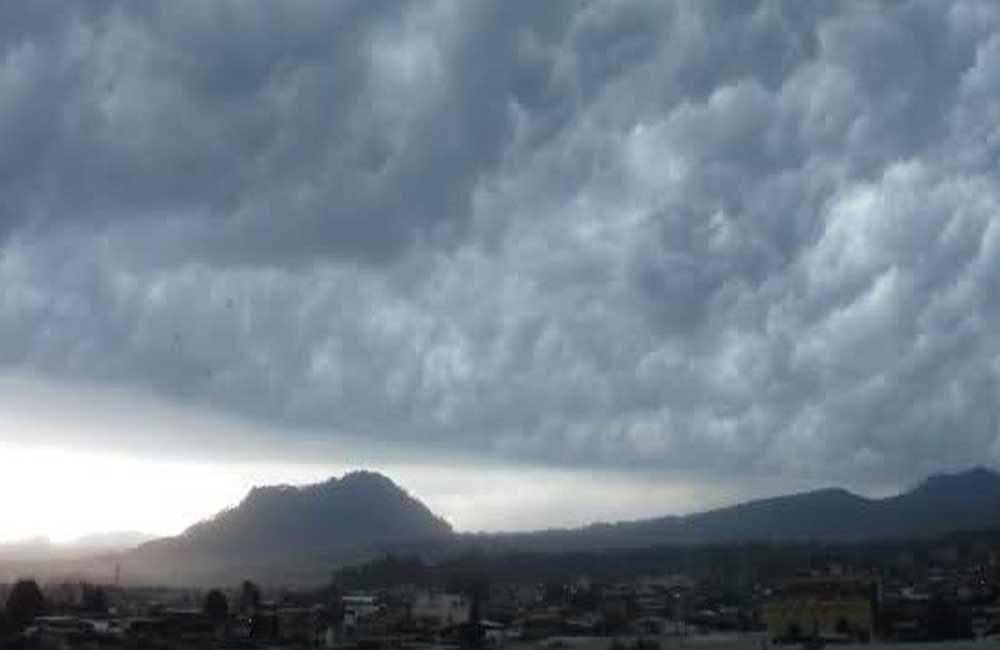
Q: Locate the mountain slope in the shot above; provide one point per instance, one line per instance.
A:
(40, 549)
(284, 533)
(361, 508)
(297, 535)
(941, 504)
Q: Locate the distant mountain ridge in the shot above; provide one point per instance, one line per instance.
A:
(110, 542)
(42, 548)
(90, 556)
(297, 535)
(940, 504)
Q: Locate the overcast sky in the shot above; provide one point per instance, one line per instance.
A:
(714, 249)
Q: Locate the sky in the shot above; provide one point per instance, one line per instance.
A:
(541, 263)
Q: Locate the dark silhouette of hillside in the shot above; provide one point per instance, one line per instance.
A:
(284, 533)
(941, 504)
(296, 535)
(360, 508)
(725, 565)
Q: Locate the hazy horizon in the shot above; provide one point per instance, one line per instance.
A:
(511, 506)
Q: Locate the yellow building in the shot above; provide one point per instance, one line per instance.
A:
(829, 608)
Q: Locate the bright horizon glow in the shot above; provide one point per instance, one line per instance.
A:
(63, 494)
(83, 486)
(70, 493)
(207, 461)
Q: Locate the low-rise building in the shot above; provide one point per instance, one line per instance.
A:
(822, 608)
(437, 609)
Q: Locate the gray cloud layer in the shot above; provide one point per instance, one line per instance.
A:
(740, 238)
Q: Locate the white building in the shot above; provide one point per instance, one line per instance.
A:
(441, 609)
(358, 608)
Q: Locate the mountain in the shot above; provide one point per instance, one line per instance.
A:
(32, 549)
(940, 504)
(285, 533)
(297, 535)
(360, 508)
(38, 549)
(92, 557)
(113, 542)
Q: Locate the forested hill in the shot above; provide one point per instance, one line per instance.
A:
(940, 504)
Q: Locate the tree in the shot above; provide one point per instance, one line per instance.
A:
(216, 607)
(24, 603)
(944, 621)
(249, 598)
(555, 593)
(474, 586)
(94, 599)
(645, 644)
(335, 599)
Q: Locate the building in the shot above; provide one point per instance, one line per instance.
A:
(831, 608)
(358, 609)
(441, 609)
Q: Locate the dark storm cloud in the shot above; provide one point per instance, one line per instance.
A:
(745, 239)
(275, 133)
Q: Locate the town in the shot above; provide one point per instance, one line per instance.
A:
(945, 591)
